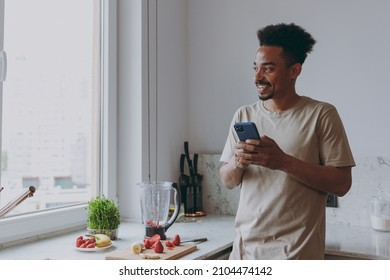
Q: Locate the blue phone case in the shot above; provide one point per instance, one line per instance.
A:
(246, 130)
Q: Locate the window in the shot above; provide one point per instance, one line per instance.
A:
(52, 108)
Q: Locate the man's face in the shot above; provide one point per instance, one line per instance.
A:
(272, 77)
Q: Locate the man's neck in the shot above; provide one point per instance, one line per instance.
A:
(283, 104)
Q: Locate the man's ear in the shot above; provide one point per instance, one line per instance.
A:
(296, 70)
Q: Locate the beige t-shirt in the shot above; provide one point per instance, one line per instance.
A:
(279, 217)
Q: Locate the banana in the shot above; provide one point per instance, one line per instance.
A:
(102, 240)
(150, 256)
(136, 247)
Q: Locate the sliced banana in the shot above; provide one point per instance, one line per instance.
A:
(136, 247)
(150, 256)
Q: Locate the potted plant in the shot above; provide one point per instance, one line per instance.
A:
(103, 216)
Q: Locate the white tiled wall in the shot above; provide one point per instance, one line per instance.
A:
(353, 209)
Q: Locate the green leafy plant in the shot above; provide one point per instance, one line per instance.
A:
(103, 213)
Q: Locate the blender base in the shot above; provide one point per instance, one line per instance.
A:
(150, 231)
(196, 214)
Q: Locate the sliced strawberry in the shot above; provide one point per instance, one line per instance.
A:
(169, 244)
(158, 247)
(154, 239)
(176, 240)
(79, 241)
(147, 244)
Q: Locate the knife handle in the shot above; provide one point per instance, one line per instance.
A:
(189, 162)
(182, 158)
(200, 239)
(196, 164)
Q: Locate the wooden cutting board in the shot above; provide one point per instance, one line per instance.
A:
(168, 254)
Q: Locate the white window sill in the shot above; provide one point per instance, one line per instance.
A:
(24, 228)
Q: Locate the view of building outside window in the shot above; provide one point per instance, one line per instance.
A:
(50, 123)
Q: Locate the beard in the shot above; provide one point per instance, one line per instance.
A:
(264, 93)
(264, 97)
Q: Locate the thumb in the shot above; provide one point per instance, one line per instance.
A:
(266, 140)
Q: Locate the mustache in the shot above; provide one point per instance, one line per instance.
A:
(260, 82)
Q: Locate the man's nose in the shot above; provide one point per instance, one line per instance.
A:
(258, 75)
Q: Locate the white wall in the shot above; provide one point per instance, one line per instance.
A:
(172, 110)
(205, 52)
(349, 66)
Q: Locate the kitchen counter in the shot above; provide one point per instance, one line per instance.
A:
(218, 229)
(341, 242)
(355, 242)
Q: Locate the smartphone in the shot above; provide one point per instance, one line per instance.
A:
(246, 130)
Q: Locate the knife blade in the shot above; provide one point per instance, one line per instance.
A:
(195, 240)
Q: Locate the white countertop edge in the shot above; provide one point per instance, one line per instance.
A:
(341, 240)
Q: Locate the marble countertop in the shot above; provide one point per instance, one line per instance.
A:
(62, 247)
(342, 241)
(357, 242)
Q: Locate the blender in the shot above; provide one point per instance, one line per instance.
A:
(156, 198)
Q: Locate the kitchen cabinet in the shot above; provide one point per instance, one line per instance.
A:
(221, 253)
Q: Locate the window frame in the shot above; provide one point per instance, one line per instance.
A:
(32, 226)
(1, 50)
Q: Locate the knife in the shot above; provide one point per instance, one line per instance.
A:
(196, 164)
(192, 187)
(183, 178)
(189, 162)
(195, 240)
(182, 158)
(184, 185)
(197, 183)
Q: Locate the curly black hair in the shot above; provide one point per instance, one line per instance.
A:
(296, 42)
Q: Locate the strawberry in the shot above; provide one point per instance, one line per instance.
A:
(147, 244)
(79, 242)
(154, 239)
(169, 243)
(158, 247)
(176, 240)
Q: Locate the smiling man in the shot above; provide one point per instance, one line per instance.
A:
(302, 156)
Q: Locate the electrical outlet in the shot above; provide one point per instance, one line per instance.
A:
(331, 201)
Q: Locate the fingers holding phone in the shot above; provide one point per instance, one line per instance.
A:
(245, 131)
(266, 153)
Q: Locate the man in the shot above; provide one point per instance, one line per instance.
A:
(303, 154)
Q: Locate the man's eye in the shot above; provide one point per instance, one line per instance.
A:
(267, 69)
